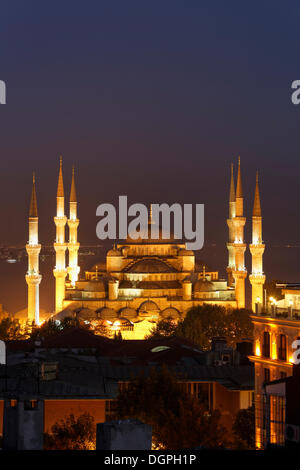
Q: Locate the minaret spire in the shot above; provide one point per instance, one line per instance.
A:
(60, 185)
(60, 246)
(33, 248)
(256, 205)
(239, 188)
(73, 197)
(239, 272)
(257, 248)
(232, 189)
(33, 212)
(230, 223)
(73, 245)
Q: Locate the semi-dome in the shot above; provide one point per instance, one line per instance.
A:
(99, 266)
(185, 252)
(95, 286)
(114, 252)
(107, 313)
(204, 286)
(170, 312)
(87, 314)
(151, 265)
(148, 308)
(129, 313)
(125, 284)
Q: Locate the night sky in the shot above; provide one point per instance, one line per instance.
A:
(153, 100)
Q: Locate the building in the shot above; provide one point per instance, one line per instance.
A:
(144, 280)
(275, 330)
(87, 376)
(281, 412)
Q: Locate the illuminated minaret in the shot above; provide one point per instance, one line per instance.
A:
(239, 273)
(231, 228)
(60, 246)
(73, 245)
(33, 277)
(257, 277)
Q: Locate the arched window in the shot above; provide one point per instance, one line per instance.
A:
(282, 348)
(266, 344)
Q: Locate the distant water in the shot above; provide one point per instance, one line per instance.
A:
(280, 263)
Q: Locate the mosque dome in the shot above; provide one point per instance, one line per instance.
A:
(204, 286)
(148, 308)
(114, 252)
(185, 252)
(129, 313)
(86, 314)
(107, 313)
(170, 312)
(126, 284)
(95, 286)
(150, 265)
(99, 266)
(145, 236)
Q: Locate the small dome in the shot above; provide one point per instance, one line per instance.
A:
(148, 308)
(124, 321)
(185, 252)
(107, 313)
(170, 312)
(87, 314)
(99, 266)
(114, 252)
(129, 313)
(125, 285)
(204, 286)
(95, 286)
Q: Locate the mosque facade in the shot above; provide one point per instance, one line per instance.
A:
(145, 280)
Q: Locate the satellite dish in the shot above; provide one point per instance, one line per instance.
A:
(2, 352)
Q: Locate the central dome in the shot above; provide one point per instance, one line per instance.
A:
(150, 265)
(145, 236)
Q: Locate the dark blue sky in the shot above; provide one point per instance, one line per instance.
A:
(153, 100)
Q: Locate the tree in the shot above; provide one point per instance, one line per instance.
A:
(178, 420)
(72, 434)
(244, 429)
(164, 328)
(203, 323)
(10, 329)
(51, 327)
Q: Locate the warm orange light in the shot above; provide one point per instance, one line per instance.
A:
(291, 360)
(274, 351)
(257, 350)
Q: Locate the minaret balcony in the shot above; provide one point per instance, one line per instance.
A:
(60, 221)
(33, 278)
(257, 278)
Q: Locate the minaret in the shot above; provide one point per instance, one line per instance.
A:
(257, 278)
(73, 245)
(60, 246)
(33, 277)
(239, 273)
(230, 244)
